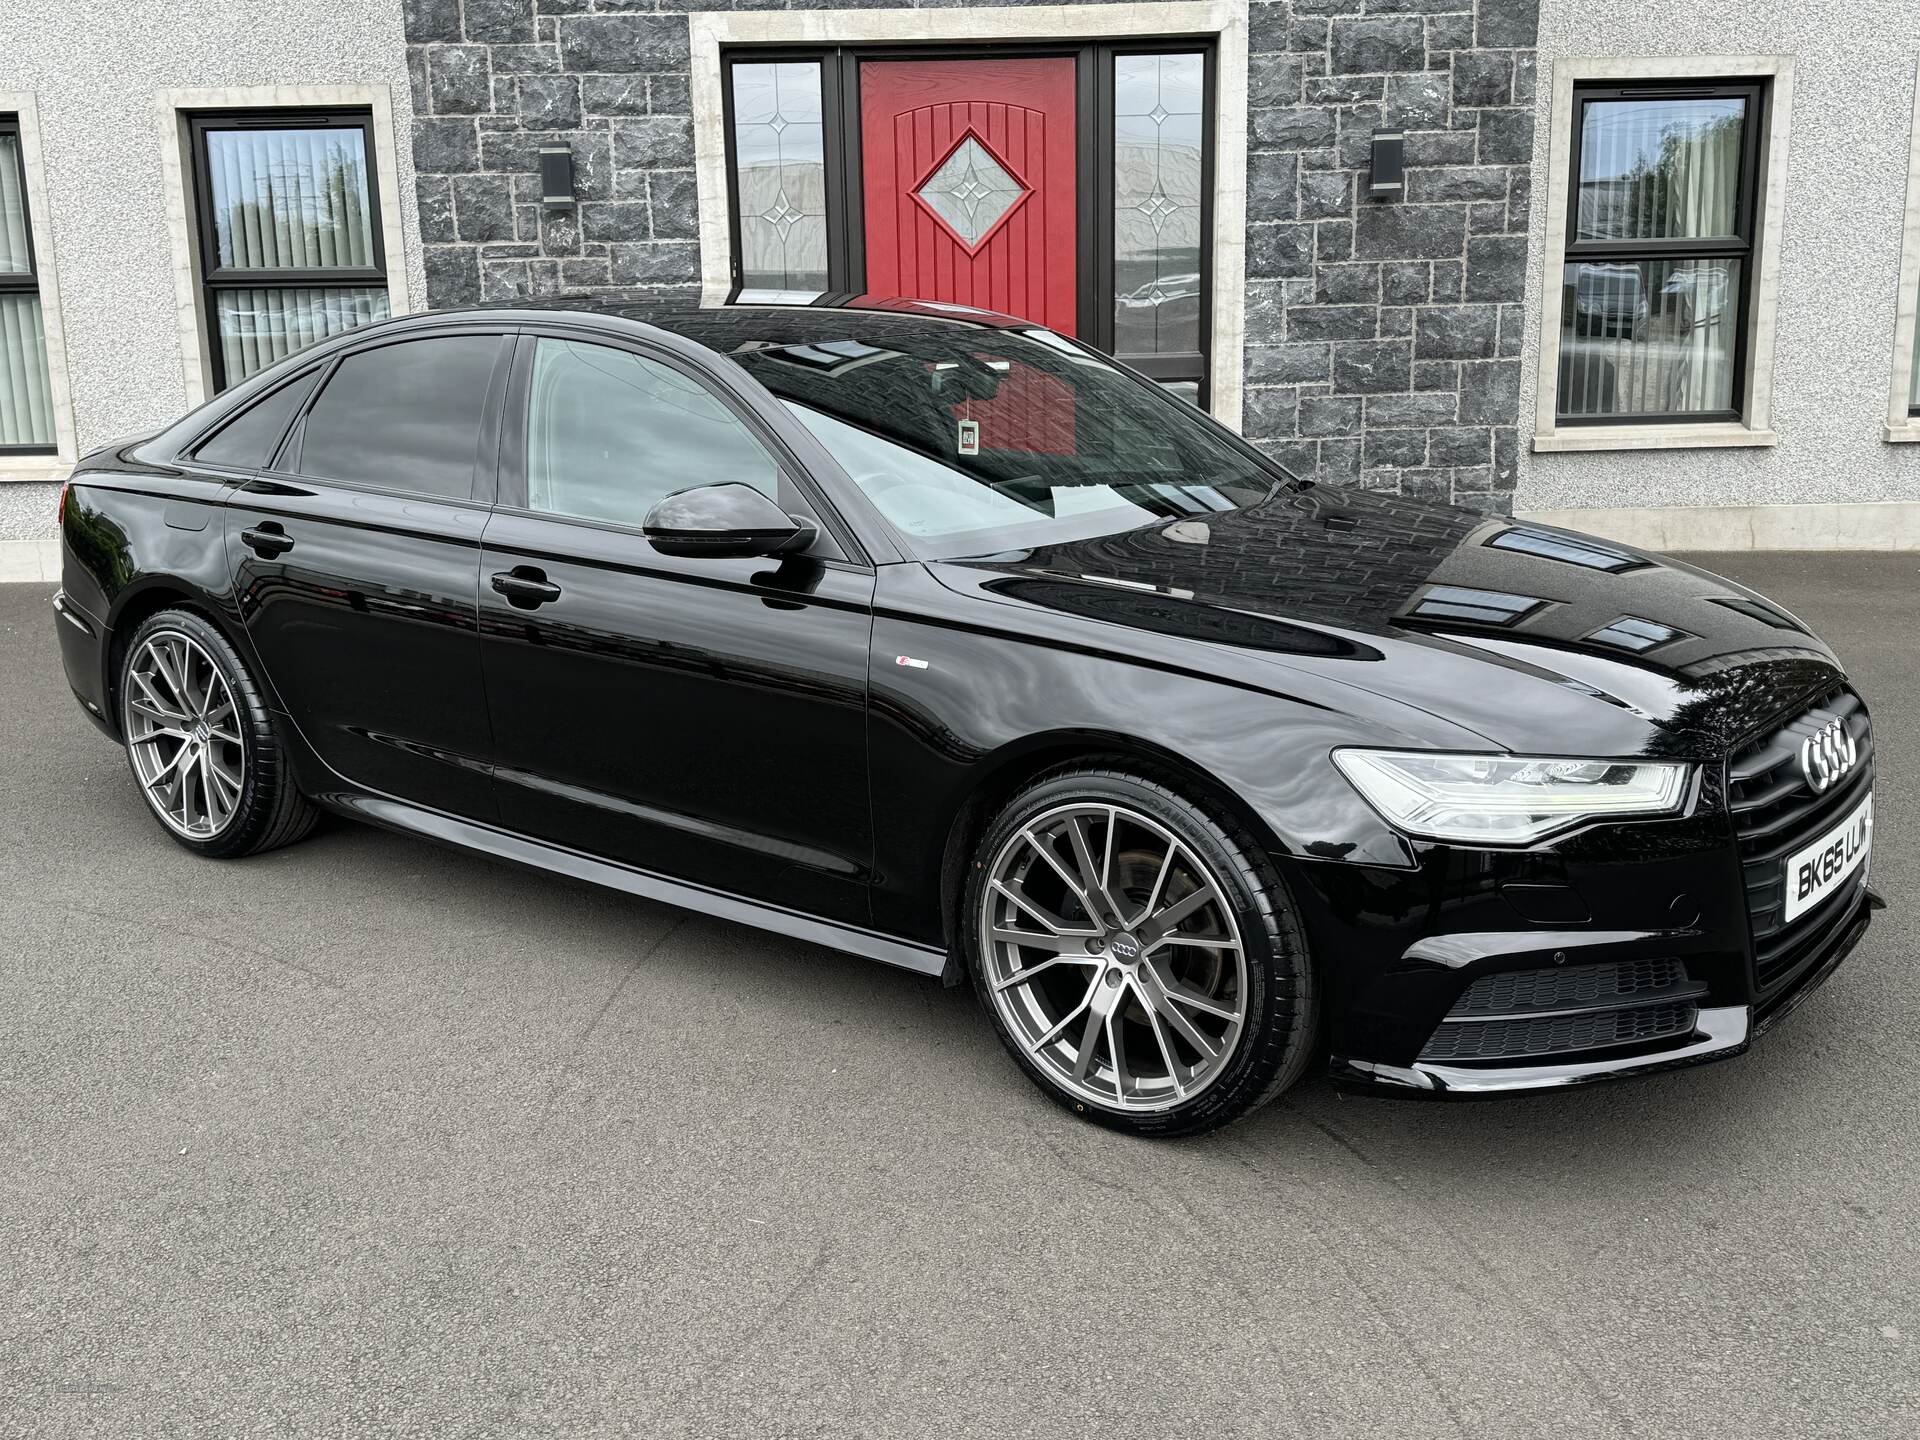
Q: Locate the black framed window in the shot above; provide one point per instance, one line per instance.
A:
(290, 242)
(26, 389)
(1145, 187)
(1658, 272)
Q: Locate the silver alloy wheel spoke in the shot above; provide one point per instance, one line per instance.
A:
(183, 734)
(1159, 1015)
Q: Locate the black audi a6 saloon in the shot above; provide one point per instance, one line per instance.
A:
(940, 638)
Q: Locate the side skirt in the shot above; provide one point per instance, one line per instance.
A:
(502, 845)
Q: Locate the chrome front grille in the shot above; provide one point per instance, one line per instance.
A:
(1776, 812)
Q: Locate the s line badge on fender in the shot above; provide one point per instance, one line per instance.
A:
(936, 636)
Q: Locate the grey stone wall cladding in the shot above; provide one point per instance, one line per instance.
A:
(1383, 339)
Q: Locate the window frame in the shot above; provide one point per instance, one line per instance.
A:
(1094, 141)
(1902, 425)
(1738, 246)
(215, 277)
(30, 283)
(1753, 382)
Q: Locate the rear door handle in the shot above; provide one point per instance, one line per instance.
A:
(267, 539)
(525, 586)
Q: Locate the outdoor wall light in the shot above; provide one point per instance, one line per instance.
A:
(556, 177)
(1389, 165)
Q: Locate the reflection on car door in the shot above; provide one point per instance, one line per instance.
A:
(356, 561)
(702, 719)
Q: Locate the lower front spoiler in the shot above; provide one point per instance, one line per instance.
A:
(1722, 1033)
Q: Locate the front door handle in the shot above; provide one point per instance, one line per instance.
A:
(267, 539)
(525, 586)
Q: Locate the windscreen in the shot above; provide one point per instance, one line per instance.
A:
(977, 442)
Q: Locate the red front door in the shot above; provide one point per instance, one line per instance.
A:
(970, 197)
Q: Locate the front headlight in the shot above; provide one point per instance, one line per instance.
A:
(1506, 799)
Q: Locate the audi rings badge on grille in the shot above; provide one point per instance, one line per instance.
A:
(1827, 754)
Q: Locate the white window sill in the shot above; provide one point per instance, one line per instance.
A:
(1907, 433)
(1653, 437)
(33, 469)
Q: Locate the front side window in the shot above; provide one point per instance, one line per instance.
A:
(403, 417)
(26, 392)
(609, 433)
(975, 442)
(290, 245)
(1659, 254)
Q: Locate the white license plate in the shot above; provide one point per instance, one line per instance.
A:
(1816, 872)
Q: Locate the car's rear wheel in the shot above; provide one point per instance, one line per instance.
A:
(1139, 954)
(202, 743)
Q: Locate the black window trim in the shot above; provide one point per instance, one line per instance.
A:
(1094, 140)
(27, 283)
(1743, 245)
(213, 276)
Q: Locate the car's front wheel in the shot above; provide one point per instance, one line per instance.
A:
(1138, 953)
(203, 745)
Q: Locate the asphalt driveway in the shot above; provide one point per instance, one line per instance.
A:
(368, 1137)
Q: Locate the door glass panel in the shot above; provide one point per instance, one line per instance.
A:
(1649, 337)
(971, 191)
(779, 154)
(1660, 169)
(258, 327)
(609, 433)
(290, 199)
(249, 440)
(403, 417)
(15, 258)
(1157, 175)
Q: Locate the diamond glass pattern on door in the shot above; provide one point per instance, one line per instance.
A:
(1157, 174)
(779, 156)
(971, 191)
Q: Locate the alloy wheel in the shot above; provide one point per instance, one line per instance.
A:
(183, 733)
(1113, 956)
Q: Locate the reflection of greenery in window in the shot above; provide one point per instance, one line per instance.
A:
(609, 433)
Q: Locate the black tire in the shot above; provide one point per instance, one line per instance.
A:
(270, 811)
(1276, 1041)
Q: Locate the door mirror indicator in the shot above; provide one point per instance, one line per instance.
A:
(724, 521)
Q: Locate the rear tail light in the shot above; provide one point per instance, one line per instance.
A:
(60, 514)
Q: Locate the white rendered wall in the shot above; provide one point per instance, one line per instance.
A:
(1850, 149)
(95, 74)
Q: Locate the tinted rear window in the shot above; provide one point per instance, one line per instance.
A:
(249, 440)
(403, 417)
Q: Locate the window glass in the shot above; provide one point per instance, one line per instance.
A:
(26, 391)
(609, 433)
(1654, 279)
(978, 442)
(249, 439)
(1157, 174)
(779, 156)
(1660, 169)
(1649, 337)
(290, 205)
(403, 417)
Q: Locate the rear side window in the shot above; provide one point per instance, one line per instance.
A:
(403, 417)
(249, 440)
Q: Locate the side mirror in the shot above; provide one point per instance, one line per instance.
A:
(723, 521)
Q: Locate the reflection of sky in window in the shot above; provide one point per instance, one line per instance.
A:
(1572, 551)
(1619, 138)
(1482, 607)
(1630, 632)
